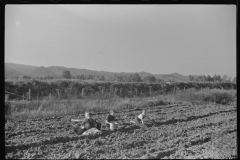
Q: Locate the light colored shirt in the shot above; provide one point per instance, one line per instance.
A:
(141, 116)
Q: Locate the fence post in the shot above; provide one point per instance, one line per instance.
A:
(173, 99)
(150, 90)
(57, 93)
(6, 97)
(115, 91)
(102, 92)
(29, 94)
(83, 92)
(120, 92)
(112, 89)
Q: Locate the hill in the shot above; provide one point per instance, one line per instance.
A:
(145, 74)
(174, 76)
(76, 71)
(41, 71)
(21, 68)
(11, 73)
(57, 71)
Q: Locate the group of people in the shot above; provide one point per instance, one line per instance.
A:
(89, 122)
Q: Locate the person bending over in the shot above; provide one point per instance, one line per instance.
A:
(140, 118)
(86, 124)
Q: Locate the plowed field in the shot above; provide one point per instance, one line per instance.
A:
(173, 131)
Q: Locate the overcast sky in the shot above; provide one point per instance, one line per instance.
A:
(160, 39)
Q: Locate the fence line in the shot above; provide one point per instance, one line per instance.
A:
(85, 94)
(15, 94)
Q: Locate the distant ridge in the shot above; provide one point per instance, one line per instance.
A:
(21, 68)
(41, 71)
(172, 76)
(14, 65)
(12, 70)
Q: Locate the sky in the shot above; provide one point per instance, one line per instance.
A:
(159, 39)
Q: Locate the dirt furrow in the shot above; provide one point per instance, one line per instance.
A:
(170, 130)
(64, 139)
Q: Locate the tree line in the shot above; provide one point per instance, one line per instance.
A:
(214, 78)
(135, 78)
(149, 79)
(113, 78)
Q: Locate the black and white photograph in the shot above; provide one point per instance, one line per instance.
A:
(120, 81)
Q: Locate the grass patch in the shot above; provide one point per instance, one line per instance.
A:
(49, 107)
(205, 95)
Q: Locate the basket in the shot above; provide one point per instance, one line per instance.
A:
(113, 126)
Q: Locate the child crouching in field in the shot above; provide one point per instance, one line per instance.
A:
(111, 120)
(87, 124)
(138, 119)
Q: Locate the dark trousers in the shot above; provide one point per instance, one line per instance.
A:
(99, 125)
(79, 130)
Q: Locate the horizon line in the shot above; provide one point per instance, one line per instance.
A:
(116, 72)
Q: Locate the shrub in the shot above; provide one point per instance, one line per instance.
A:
(223, 96)
(206, 95)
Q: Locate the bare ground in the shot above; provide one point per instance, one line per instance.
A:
(173, 131)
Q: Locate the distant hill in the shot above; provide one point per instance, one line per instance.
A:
(34, 71)
(174, 76)
(11, 72)
(145, 74)
(56, 69)
(76, 71)
(22, 68)
(41, 71)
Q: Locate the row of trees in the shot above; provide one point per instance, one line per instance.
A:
(214, 78)
(133, 78)
(136, 78)
(114, 78)
(149, 79)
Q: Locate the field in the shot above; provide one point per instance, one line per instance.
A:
(183, 130)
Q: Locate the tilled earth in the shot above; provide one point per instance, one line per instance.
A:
(172, 131)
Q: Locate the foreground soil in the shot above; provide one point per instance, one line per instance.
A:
(172, 131)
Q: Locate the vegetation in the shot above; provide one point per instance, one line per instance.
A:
(62, 88)
(66, 74)
(149, 79)
(130, 78)
(54, 107)
(206, 95)
(214, 78)
(234, 80)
